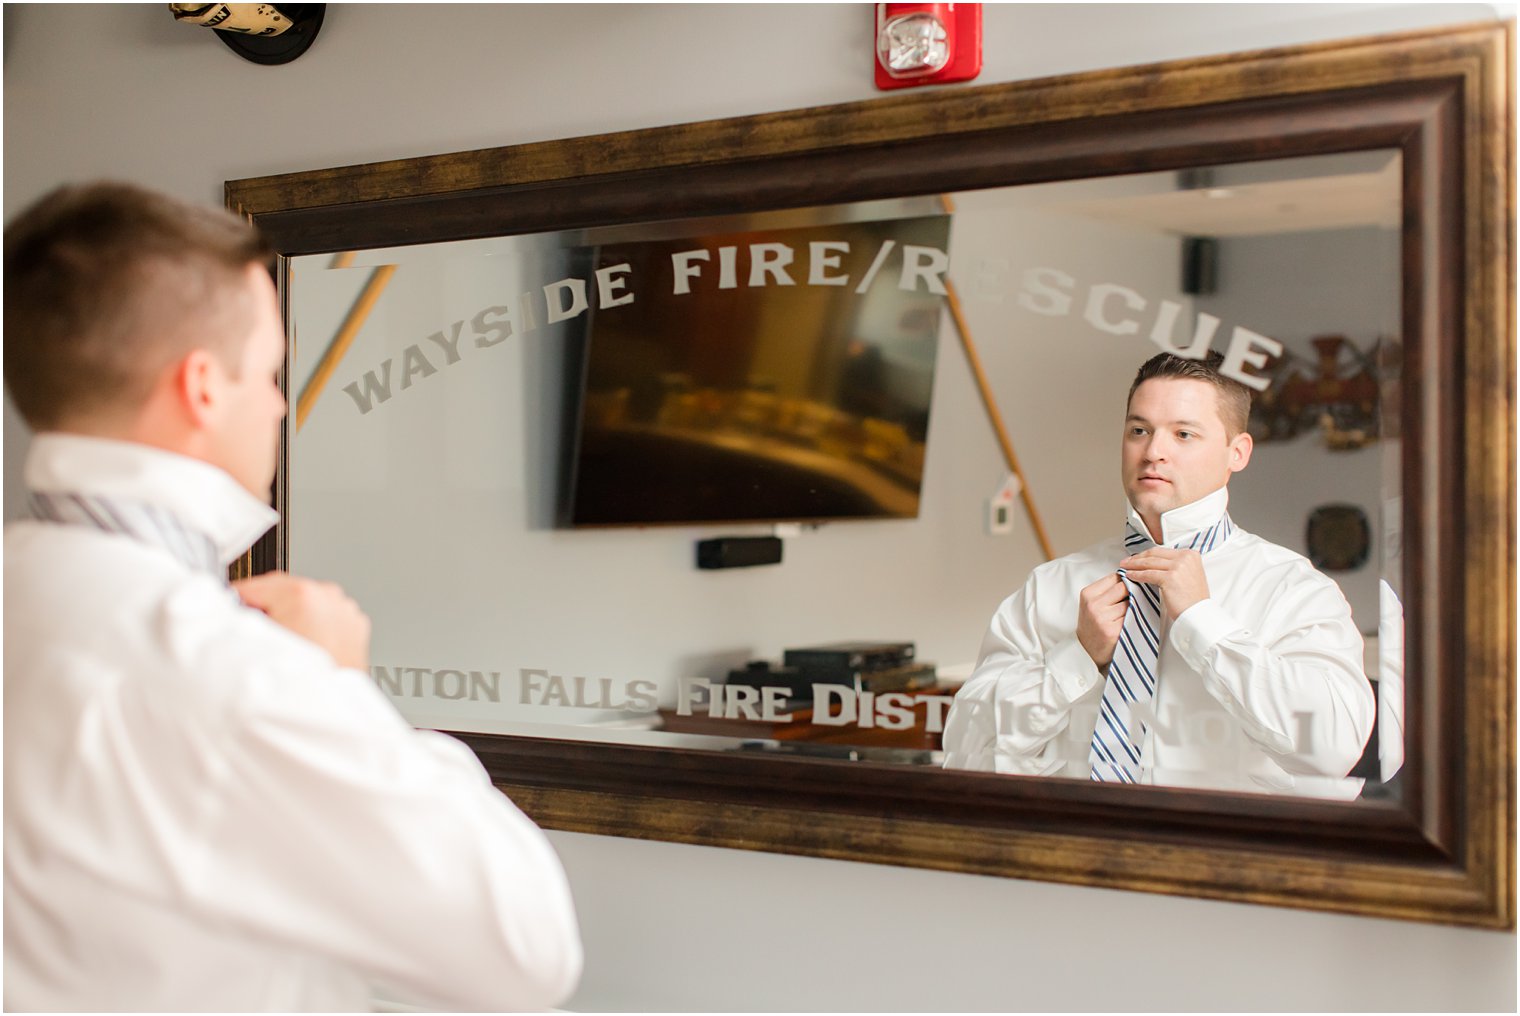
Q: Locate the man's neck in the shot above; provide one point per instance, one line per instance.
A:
(143, 429)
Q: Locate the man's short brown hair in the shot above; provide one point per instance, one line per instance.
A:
(1234, 398)
(106, 284)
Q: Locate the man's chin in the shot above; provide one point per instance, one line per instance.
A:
(1151, 503)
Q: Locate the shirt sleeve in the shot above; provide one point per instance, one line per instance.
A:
(1295, 683)
(1022, 694)
(341, 831)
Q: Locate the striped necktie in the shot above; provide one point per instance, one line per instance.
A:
(147, 523)
(1115, 753)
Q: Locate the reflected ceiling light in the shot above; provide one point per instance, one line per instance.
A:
(1219, 192)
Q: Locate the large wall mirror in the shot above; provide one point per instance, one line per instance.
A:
(534, 388)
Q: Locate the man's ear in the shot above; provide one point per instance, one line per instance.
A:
(197, 386)
(1240, 451)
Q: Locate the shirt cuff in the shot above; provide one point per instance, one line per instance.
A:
(1200, 628)
(1074, 671)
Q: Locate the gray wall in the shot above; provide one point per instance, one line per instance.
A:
(121, 91)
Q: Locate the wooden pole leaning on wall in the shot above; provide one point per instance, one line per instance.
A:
(994, 416)
(345, 337)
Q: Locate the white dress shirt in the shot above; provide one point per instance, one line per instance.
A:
(204, 812)
(1260, 687)
(1390, 684)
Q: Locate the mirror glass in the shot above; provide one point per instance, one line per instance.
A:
(512, 451)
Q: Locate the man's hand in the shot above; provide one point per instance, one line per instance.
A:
(319, 612)
(1100, 618)
(1178, 574)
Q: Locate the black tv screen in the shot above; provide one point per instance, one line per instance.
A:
(773, 375)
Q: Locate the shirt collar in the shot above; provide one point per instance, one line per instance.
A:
(200, 494)
(1181, 524)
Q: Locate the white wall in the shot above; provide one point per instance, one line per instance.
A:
(120, 91)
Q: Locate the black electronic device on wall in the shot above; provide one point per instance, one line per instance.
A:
(738, 551)
(1200, 265)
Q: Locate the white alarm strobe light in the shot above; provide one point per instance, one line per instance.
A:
(913, 44)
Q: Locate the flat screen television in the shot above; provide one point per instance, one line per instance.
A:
(759, 376)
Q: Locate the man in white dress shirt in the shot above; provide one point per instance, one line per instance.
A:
(1245, 675)
(208, 804)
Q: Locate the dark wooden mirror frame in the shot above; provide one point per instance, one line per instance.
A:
(1445, 851)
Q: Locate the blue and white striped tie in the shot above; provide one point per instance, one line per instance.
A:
(1115, 754)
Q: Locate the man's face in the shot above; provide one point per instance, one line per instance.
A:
(1176, 448)
(247, 434)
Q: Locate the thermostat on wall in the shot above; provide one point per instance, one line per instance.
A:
(1000, 507)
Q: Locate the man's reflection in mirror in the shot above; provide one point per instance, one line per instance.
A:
(1184, 650)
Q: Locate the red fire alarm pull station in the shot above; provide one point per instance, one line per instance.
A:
(927, 44)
